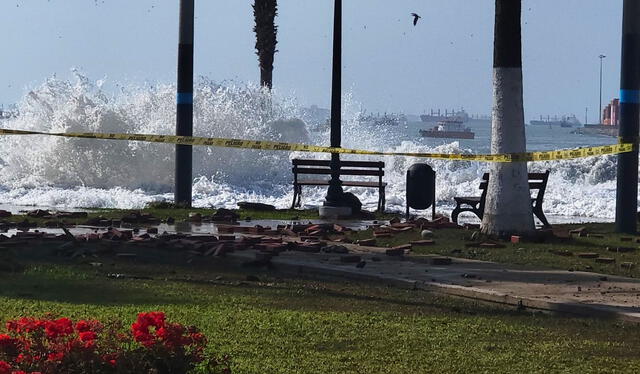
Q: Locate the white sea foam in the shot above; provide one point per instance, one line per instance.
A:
(60, 172)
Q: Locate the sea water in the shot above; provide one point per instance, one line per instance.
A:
(82, 173)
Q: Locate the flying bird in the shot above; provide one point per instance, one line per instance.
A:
(415, 18)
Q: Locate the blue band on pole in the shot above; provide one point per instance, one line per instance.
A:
(630, 96)
(184, 98)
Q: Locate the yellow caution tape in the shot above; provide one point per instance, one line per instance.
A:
(276, 146)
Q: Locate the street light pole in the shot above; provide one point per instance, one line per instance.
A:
(184, 105)
(627, 177)
(601, 57)
(335, 194)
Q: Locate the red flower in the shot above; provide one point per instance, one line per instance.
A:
(140, 328)
(59, 327)
(55, 356)
(155, 319)
(5, 368)
(142, 335)
(110, 359)
(88, 336)
(7, 343)
(198, 338)
(44, 344)
(25, 325)
(84, 326)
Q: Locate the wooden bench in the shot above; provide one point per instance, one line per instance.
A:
(537, 181)
(323, 167)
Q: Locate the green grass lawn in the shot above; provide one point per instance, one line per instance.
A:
(282, 325)
(452, 242)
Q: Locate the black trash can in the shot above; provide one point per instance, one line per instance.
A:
(421, 188)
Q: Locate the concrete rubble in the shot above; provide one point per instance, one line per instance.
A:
(329, 250)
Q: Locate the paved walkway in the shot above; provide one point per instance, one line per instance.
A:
(577, 292)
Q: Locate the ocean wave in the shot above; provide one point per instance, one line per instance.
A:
(60, 172)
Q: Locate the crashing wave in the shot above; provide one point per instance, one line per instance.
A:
(50, 171)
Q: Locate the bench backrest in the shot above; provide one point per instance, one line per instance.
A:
(537, 181)
(323, 167)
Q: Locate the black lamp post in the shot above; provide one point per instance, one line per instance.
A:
(627, 183)
(184, 103)
(335, 194)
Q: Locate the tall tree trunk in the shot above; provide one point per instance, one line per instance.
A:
(264, 13)
(508, 205)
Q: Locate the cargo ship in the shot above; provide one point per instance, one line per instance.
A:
(570, 121)
(384, 120)
(438, 116)
(451, 129)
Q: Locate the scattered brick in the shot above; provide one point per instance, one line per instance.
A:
(491, 245)
(404, 247)
(310, 238)
(621, 249)
(366, 242)
(578, 231)
(595, 236)
(402, 229)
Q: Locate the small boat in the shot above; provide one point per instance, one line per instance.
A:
(451, 129)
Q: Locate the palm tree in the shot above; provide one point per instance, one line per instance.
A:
(265, 12)
(508, 204)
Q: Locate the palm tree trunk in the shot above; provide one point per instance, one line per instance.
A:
(508, 204)
(265, 12)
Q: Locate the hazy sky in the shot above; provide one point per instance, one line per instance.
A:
(389, 65)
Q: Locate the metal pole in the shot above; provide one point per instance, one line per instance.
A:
(600, 105)
(184, 100)
(335, 192)
(586, 115)
(627, 188)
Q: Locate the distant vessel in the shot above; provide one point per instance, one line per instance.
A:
(451, 129)
(437, 116)
(567, 121)
(384, 120)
